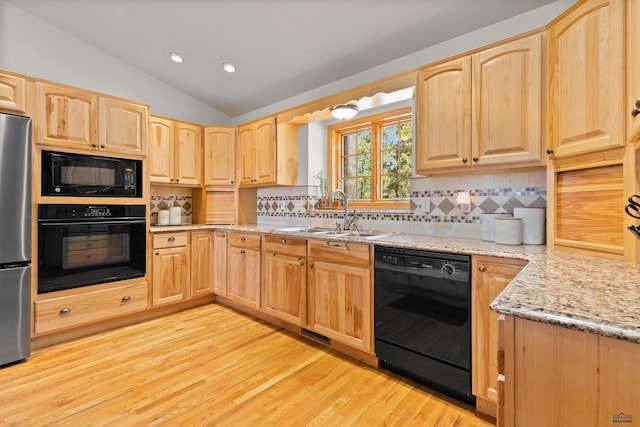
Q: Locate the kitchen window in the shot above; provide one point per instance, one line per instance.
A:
(370, 158)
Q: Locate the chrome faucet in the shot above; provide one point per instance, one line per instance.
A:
(348, 220)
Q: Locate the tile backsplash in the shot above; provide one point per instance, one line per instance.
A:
(433, 208)
(167, 197)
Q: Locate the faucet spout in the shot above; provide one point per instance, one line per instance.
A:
(348, 221)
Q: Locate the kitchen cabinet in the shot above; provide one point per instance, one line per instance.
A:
(171, 266)
(75, 309)
(555, 376)
(176, 152)
(491, 275)
(481, 110)
(243, 280)
(13, 93)
(219, 261)
(219, 156)
(632, 105)
(340, 292)
(122, 126)
(284, 282)
(586, 79)
(202, 263)
(220, 206)
(267, 154)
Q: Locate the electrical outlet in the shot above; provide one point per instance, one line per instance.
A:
(424, 205)
(282, 205)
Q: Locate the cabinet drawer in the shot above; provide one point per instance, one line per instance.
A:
(74, 310)
(285, 245)
(340, 252)
(170, 240)
(243, 240)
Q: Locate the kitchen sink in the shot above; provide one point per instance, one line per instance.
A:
(336, 233)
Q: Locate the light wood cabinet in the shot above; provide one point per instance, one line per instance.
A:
(171, 267)
(284, 282)
(219, 262)
(202, 263)
(176, 152)
(13, 93)
(219, 156)
(122, 126)
(220, 206)
(340, 293)
(491, 276)
(633, 70)
(267, 154)
(586, 79)
(481, 110)
(244, 278)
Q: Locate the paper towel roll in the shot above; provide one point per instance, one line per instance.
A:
(508, 231)
(488, 225)
(533, 224)
(175, 216)
(163, 217)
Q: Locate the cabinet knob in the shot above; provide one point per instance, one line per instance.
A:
(549, 151)
(126, 298)
(635, 112)
(301, 261)
(482, 268)
(65, 310)
(94, 145)
(103, 146)
(475, 159)
(177, 179)
(283, 241)
(465, 160)
(232, 182)
(171, 179)
(638, 103)
(311, 264)
(157, 253)
(242, 252)
(242, 239)
(171, 239)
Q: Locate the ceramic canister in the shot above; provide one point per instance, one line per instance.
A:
(508, 231)
(488, 225)
(163, 217)
(175, 215)
(533, 224)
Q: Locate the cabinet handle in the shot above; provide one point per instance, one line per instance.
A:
(157, 253)
(103, 146)
(65, 310)
(635, 112)
(126, 298)
(242, 239)
(232, 182)
(475, 159)
(337, 246)
(465, 160)
(171, 239)
(312, 264)
(283, 241)
(171, 179)
(549, 151)
(94, 145)
(638, 103)
(242, 252)
(301, 261)
(482, 268)
(177, 179)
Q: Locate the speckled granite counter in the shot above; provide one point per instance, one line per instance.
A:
(592, 294)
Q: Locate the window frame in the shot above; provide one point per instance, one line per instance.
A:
(374, 122)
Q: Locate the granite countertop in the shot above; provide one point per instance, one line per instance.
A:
(588, 293)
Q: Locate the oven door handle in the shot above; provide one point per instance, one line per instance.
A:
(70, 223)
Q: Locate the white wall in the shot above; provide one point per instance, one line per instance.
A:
(31, 46)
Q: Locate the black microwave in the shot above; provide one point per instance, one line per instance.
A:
(67, 174)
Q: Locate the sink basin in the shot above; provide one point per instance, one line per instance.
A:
(331, 232)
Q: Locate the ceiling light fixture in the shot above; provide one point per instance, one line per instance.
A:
(344, 111)
(175, 57)
(229, 67)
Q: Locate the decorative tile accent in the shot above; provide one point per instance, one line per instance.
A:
(167, 197)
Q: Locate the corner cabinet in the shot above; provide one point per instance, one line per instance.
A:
(13, 93)
(586, 79)
(219, 156)
(176, 152)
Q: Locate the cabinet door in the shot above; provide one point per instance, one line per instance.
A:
(243, 285)
(265, 143)
(340, 302)
(507, 103)
(285, 287)
(123, 126)
(633, 67)
(13, 97)
(201, 263)
(161, 135)
(246, 154)
(586, 79)
(219, 156)
(491, 276)
(171, 272)
(220, 207)
(188, 157)
(65, 117)
(444, 116)
(220, 263)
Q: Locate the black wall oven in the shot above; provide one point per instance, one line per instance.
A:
(82, 245)
(422, 315)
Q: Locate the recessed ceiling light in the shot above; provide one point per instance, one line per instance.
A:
(229, 67)
(175, 57)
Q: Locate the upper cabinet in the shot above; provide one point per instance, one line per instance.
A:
(586, 79)
(632, 105)
(175, 152)
(13, 97)
(481, 110)
(267, 154)
(75, 118)
(219, 156)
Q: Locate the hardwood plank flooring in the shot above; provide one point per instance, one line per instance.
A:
(212, 366)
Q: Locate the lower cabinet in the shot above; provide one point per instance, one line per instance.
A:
(490, 276)
(220, 262)
(243, 285)
(202, 265)
(171, 267)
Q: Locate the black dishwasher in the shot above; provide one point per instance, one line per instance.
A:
(423, 317)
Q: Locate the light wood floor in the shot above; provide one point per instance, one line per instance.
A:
(212, 366)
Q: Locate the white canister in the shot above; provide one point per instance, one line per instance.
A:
(533, 224)
(175, 215)
(508, 231)
(488, 225)
(163, 217)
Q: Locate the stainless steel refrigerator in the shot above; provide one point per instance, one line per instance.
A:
(15, 239)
